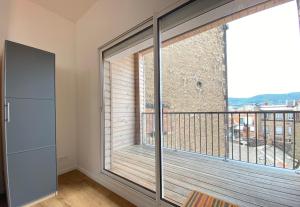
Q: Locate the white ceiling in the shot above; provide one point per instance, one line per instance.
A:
(70, 9)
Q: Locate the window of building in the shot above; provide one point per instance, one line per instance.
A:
(290, 116)
(279, 116)
(279, 130)
(290, 131)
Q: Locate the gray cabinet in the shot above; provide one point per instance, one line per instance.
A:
(29, 72)
(29, 123)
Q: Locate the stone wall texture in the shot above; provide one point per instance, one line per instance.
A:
(193, 80)
(193, 73)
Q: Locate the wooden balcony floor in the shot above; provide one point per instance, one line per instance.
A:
(236, 182)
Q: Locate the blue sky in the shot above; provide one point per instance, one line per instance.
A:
(264, 52)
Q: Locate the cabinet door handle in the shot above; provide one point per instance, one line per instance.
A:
(7, 112)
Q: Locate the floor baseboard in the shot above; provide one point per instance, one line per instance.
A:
(65, 170)
(131, 195)
(40, 200)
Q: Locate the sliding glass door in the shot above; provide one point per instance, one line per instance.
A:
(216, 143)
(129, 120)
(193, 81)
(204, 100)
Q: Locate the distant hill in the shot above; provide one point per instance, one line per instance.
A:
(265, 98)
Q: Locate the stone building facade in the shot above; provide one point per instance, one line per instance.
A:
(193, 80)
(193, 72)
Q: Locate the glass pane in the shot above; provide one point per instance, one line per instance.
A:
(230, 103)
(129, 111)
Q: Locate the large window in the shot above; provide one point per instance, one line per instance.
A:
(207, 74)
(205, 98)
(129, 115)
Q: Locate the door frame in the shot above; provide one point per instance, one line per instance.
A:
(205, 18)
(140, 27)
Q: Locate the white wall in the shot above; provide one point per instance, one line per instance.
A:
(104, 21)
(75, 46)
(30, 24)
(27, 23)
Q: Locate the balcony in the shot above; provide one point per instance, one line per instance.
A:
(228, 130)
(223, 154)
(246, 185)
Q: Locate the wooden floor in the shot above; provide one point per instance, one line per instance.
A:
(77, 190)
(239, 183)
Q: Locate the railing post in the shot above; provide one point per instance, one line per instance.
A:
(256, 135)
(142, 131)
(240, 155)
(232, 134)
(247, 137)
(171, 122)
(284, 147)
(226, 136)
(218, 134)
(274, 135)
(265, 138)
(294, 143)
(200, 134)
(176, 134)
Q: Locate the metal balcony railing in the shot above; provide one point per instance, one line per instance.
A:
(268, 138)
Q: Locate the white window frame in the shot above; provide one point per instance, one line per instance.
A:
(206, 18)
(106, 46)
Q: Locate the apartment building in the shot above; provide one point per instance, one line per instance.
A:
(280, 128)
